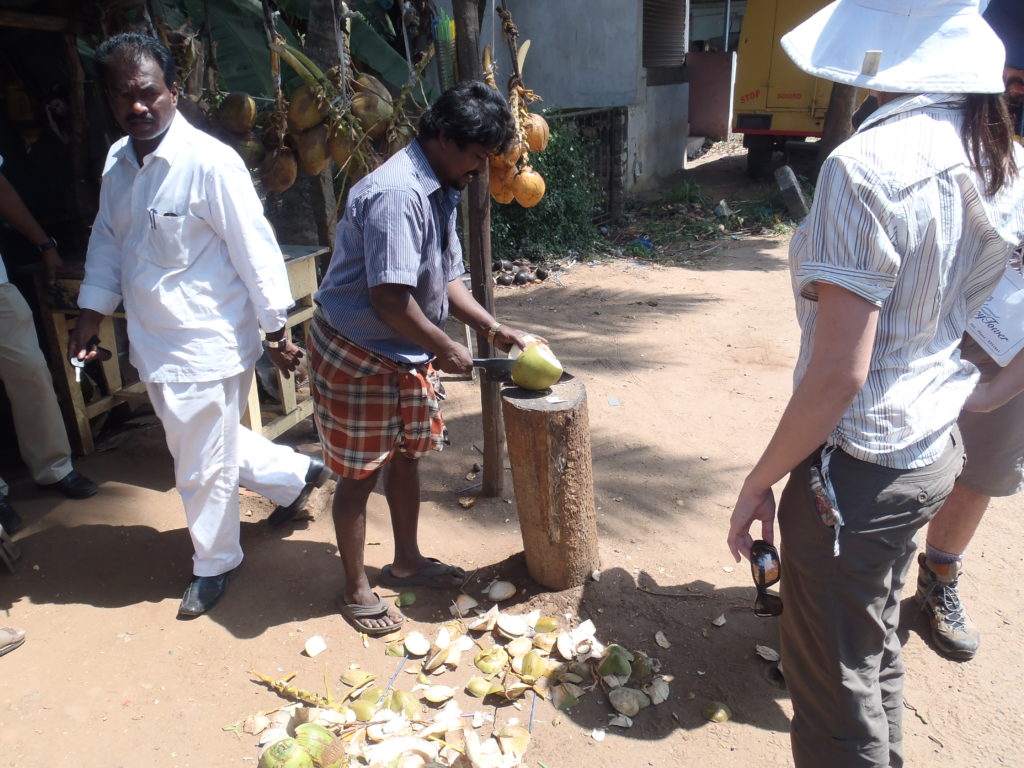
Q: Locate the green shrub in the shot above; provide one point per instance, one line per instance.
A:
(563, 219)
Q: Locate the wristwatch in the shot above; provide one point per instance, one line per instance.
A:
(277, 343)
(47, 246)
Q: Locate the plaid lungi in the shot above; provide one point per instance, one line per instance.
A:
(368, 407)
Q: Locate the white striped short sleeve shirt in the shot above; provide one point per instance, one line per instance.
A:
(900, 219)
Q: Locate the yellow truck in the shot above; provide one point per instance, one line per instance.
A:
(775, 102)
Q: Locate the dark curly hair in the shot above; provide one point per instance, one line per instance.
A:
(135, 47)
(470, 113)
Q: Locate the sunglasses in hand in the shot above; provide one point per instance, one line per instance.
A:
(766, 568)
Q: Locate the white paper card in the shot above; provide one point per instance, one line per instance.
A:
(999, 325)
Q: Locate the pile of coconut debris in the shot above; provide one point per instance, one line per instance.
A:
(515, 658)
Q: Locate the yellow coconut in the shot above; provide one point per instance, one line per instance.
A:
(528, 187)
(237, 112)
(537, 132)
(305, 110)
(501, 184)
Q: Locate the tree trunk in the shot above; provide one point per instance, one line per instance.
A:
(549, 449)
(478, 241)
(838, 120)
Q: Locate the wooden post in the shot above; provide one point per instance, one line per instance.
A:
(467, 41)
(549, 448)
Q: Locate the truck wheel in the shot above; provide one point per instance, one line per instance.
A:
(759, 155)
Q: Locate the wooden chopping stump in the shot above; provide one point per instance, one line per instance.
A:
(548, 434)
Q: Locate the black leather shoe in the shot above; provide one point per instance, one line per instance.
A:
(9, 519)
(202, 593)
(74, 485)
(316, 475)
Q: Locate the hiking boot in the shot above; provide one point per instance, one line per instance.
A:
(953, 632)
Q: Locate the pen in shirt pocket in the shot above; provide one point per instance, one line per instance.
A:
(152, 217)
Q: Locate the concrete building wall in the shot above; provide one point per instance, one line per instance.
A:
(657, 133)
(588, 54)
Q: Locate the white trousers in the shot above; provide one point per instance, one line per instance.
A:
(214, 454)
(42, 438)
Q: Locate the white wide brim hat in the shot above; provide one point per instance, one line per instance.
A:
(901, 46)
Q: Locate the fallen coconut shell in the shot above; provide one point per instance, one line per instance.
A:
(363, 710)
(491, 660)
(486, 622)
(501, 590)
(565, 646)
(546, 624)
(314, 739)
(356, 677)
(562, 698)
(437, 694)
(511, 626)
(463, 605)
(716, 712)
(545, 641)
(534, 665)
(514, 740)
(519, 647)
(481, 687)
(416, 644)
(504, 279)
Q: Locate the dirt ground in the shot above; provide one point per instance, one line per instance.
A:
(687, 368)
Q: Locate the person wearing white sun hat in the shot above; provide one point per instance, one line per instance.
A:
(913, 220)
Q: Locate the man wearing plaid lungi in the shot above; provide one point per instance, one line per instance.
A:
(378, 337)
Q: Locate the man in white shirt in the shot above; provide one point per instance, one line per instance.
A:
(181, 239)
(42, 438)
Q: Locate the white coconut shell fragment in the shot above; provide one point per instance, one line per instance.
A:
(501, 590)
(315, 645)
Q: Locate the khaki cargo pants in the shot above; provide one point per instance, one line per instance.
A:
(841, 655)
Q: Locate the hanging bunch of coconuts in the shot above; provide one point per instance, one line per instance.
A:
(511, 176)
(338, 115)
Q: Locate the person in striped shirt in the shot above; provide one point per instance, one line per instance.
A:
(378, 336)
(993, 440)
(912, 223)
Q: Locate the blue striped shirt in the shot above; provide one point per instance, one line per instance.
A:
(900, 219)
(399, 228)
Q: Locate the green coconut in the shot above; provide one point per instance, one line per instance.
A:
(251, 150)
(286, 753)
(314, 739)
(237, 112)
(372, 112)
(304, 110)
(536, 368)
(311, 147)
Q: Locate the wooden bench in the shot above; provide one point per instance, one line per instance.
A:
(269, 420)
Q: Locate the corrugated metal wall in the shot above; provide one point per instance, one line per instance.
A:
(666, 32)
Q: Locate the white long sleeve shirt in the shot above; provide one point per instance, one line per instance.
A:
(183, 242)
